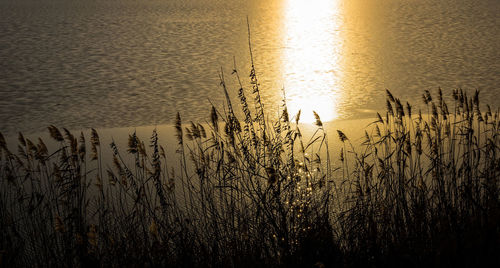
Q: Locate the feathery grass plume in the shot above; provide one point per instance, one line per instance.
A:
(476, 98)
(3, 144)
(400, 113)
(284, 114)
(428, 97)
(390, 111)
(21, 139)
(178, 128)
(424, 98)
(249, 128)
(440, 96)
(133, 143)
(259, 107)
(189, 134)
(389, 108)
(377, 131)
(226, 94)
(203, 133)
(82, 149)
(461, 98)
(56, 173)
(94, 138)
(113, 147)
(380, 120)
(367, 140)
(342, 136)
(124, 170)
(445, 113)
(22, 153)
(389, 95)
(94, 142)
(318, 120)
(55, 133)
(117, 164)
(232, 125)
(244, 105)
(408, 109)
(42, 150)
(297, 117)
(214, 119)
(195, 131)
(32, 149)
(72, 141)
(156, 176)
(277, 125)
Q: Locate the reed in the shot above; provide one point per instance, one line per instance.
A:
(420, 190)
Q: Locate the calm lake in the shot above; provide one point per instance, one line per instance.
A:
(125, 63)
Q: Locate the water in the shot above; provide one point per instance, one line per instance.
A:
(123, 63)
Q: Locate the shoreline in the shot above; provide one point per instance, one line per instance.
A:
(353, 128)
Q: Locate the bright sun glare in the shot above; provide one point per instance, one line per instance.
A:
(312, 58)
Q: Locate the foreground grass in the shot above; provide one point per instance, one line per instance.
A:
(246, 191)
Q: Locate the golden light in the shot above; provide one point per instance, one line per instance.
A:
(312, 69)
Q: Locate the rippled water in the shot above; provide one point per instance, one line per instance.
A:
(113, 63)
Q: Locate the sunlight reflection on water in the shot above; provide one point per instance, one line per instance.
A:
(311, 58)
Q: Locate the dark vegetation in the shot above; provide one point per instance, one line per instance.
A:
(246, 191)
